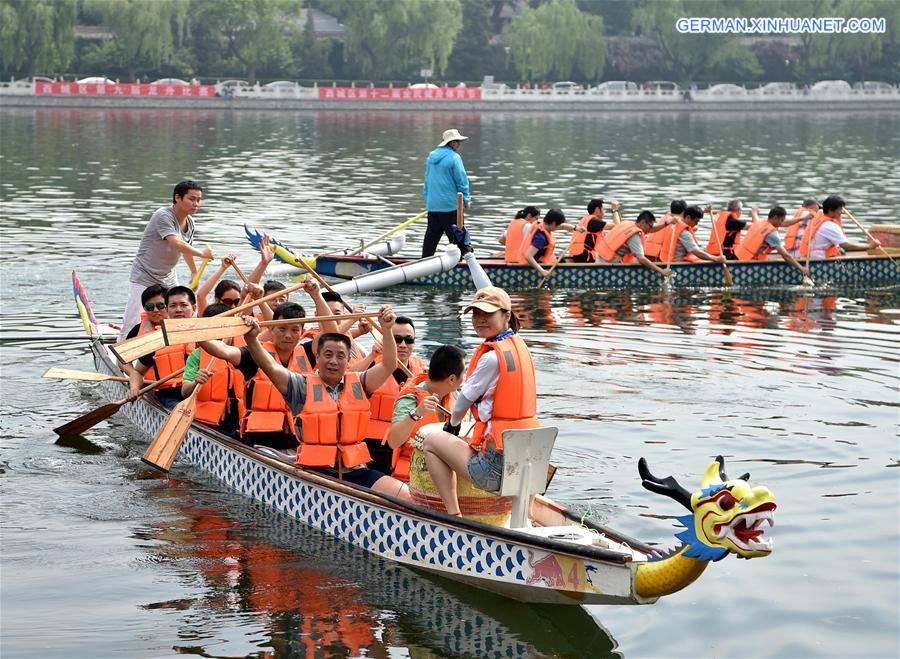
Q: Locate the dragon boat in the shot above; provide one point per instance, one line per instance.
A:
(849, 270)
(545, 554)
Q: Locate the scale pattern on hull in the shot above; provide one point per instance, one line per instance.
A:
(861, 271)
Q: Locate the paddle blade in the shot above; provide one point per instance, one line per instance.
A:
(88, 420)
(728, 281)
(164, 447)
(145, 344)
(72, 374)
(177, 331)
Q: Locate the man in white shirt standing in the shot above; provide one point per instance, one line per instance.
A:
(168, 235)
(827, 238)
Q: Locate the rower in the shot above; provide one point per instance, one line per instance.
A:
(168, 236)
(797, 225)
(583, 246)
(728, 227)
(330, 405)
(538, 245)
(220, 401)
(681, 241)
(154, 305)
(383, 399)
(500, 390)
(653, 244)
(266, 420)
(180, 303)
(417, 404)
(515, 233)
(624, 243)
(825, 238)
(762, 237)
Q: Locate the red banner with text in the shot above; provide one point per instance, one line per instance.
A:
(123, 89)
(400, 93)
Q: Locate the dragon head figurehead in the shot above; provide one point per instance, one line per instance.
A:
(725, 516)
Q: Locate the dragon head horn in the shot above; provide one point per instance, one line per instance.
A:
(716, 470)
(667, 486)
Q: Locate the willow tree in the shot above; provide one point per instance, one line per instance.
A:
(390, 37)
(690, 56)
(555, 39)
(144, 34)
(36, 36)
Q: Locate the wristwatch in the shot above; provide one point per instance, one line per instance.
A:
(414, 416)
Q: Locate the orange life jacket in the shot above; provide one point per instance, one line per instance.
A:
(728, 238)
(664, 243)
(612, 241)
(329, 425)
(515, 399)
(266, 409)
(513, 245)
(146, 326)
(382, 401)
(812, 229)
(792, 236)
(577, 246)
(402, 454)
(212, 399)
(549, 255)
(169, 359)
(753, 247)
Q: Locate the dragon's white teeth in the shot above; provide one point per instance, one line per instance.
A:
(723, 532)
(771, 521)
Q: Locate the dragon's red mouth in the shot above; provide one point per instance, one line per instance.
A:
(747, 530)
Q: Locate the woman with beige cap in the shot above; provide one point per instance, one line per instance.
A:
(445, 176)
(499, 389)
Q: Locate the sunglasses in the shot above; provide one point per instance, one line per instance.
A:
(158, 306)
(408, 340)
(231, 301)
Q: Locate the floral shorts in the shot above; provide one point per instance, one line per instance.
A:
(485, 469)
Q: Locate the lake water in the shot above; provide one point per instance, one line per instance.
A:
(102, 557)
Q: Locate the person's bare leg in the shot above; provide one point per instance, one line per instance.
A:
(390, 485)
(446, 456)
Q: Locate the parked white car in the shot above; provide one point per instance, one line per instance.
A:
(96, 80)
(424, 85)
(616, 87)
(873, 87)
(727, 89)
(170, 81)
(566, 86)
(831, 87)
(281, 86)
(778, 88)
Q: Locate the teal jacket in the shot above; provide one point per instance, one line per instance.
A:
(445, 175)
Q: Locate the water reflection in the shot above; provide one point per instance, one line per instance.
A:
(297, 592)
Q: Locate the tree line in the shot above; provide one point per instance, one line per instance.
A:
(513, 40)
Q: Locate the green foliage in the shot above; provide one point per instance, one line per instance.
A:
(310, 54)
(145, 34)
(246, 35)
(36, 36)
(554, 39)
(692, 56)
(389, 38)
(472, 55)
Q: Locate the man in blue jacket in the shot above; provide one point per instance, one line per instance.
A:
(445, 176)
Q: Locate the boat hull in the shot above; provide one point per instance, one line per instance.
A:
(854, 271)
(505, 562)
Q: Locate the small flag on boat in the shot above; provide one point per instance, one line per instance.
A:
(88, 319)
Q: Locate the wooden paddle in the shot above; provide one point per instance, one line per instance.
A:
(178, 331)
(868, 235)
(460, 206)
(555, 263)
(165, 446)
(130, 349)
(712, 217)
(71, 374)
(91, 419)
(195, 280)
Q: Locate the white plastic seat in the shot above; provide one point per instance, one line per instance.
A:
(526, 457)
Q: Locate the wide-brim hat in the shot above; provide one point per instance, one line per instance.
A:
(451, 136)
(490, 299)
